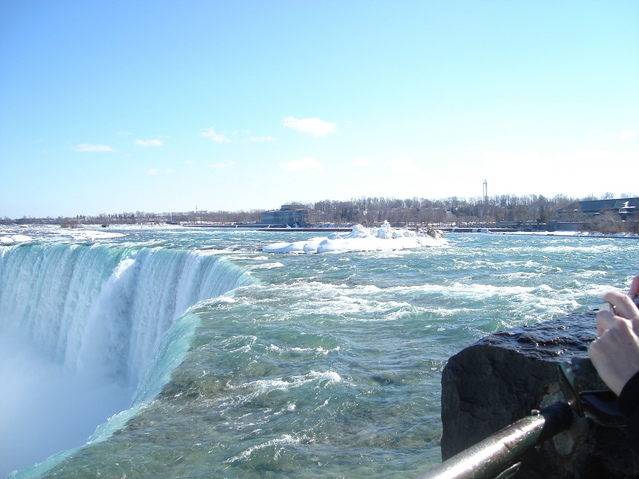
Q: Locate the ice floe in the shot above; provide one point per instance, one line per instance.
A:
(383, 238)
(13, 239)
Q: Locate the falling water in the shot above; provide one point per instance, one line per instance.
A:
(79, 328)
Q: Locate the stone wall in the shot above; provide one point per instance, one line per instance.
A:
(504, 376)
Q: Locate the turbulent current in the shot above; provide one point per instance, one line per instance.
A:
(190, 352)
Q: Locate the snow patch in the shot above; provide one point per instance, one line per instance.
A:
(384, 238)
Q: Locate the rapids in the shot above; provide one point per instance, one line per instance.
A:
(194, 352)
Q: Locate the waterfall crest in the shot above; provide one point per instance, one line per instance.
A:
(104, 308)
(96, 315)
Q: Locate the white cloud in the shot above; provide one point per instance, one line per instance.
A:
(262, 139)
(303, 164)
(215, 137)
(159, 171)
(314, 126)
(362, 162)
(403, 165)
(148, 142)
(626, 134)
(86, 147)
(222, 165)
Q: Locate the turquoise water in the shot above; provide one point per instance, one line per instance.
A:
(305, 366)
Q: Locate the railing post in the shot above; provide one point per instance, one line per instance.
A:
(488, 458)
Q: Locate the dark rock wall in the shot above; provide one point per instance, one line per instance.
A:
(506, 375)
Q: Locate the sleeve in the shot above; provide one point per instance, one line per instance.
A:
(629, 406)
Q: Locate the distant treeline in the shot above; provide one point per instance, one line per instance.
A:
(369, 211)
(449, 210)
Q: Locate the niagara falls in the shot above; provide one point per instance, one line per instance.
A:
(179, 352)
(249, 239)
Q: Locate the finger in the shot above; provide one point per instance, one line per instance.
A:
(634, 286)
(624, 305)
(613, 296)
(605, 321)
(603, 361)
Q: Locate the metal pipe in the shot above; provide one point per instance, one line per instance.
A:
(493, 455)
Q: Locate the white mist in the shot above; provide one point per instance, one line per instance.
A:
(46, 408)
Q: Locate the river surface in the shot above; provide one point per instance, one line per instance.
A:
(171, 352)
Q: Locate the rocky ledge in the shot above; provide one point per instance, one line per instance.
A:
(506, 375)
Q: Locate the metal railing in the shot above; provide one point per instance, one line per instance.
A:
(496, 454)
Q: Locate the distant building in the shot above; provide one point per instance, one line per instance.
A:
(624, 207)
(287, 215)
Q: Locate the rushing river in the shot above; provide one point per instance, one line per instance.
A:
(189, 352)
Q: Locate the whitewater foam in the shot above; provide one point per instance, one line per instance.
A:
(284, 440)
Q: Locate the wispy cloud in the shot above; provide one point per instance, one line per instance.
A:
(86, 147)
(222, 165)
(362, 162)
(262, 139)
(159, 171)
(146, 143)
(302, 164)
(522, 157)
(627, 134)
(214, 136)
(403, 165)
(314, 126)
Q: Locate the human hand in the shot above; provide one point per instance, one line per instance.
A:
(618, 305)
(615, 354)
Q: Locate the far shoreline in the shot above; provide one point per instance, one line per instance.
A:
(11, 234)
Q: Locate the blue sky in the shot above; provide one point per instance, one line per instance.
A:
(118, 106)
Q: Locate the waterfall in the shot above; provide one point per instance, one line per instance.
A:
(80, 319)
